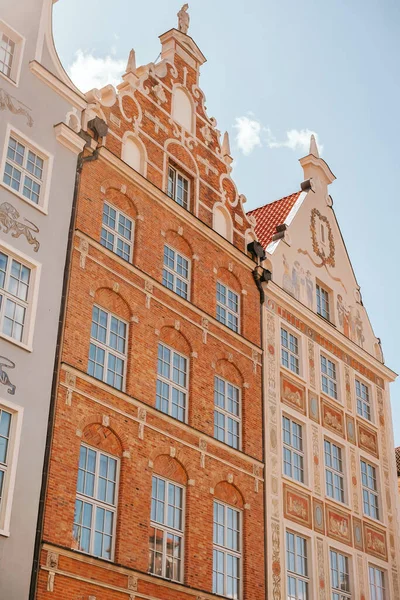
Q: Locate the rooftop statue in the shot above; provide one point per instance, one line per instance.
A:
(183, 19)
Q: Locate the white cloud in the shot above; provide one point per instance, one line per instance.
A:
(248, 134)
(88, 71)
(296, 139)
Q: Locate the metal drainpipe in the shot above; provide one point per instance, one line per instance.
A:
(57, 360)
(258, 278)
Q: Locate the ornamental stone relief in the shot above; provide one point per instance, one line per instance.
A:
(276, 561)
(8, 102)
(360, 569)
(317, 473)
(353, 467)
(271, 375)
(321, 569)
(348, 388)
(6, 363)
(9, 220)
(311, 363)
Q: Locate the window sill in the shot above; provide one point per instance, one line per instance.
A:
(165, 578)
(4, 533)
(326, 396)
(342, 505)
(303, 486)
(368, 422)
(9, 80)
(22, 197)
(293, 374)
(27, 347)
(373, 520)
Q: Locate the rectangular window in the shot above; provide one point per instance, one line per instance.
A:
(15, 281)
(10, 433)
(334, 471)
(176, 272)
(322, 302)
(178, 187)
(11, 48)
(5, 440)
(226, 551)
(107, 354)
(376, 583)
(227, 307)
(166, 530)
(328, 377)
(117, 232)
(226, 412)
(290, 351)
(363, 400)
(340, 577)
(96, 503)
(171, 383)
(369, 490)
(293, 451)
(296, 567)
(24, 170)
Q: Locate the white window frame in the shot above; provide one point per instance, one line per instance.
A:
(174, 273)
(335, 472)
(173, 194)
(369, 491)
(293, 450)
(105, 346)
(226, 308)
(336, 592)
(364, 401)
(169, 529)
(19, 42)
(47, 158)
(226, 551)
(325, 300)
(32, 301)
(10, 470)
(115, 233)
(306, 579)
(164, 380)
(293, 357)
(374, 568)
(227, 414)
(96, 503)
(330, 380)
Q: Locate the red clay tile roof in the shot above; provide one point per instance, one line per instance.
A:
(270, 215)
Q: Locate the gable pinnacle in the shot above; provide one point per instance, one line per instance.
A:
(131, 65)
(313, 146)
(226, 147)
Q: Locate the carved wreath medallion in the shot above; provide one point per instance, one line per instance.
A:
(319, 251)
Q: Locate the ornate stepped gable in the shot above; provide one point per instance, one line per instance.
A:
(160, 109)
(305, 246)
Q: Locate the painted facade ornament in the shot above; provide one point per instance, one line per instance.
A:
(315, 447)
(321, 569)
(207, 135)
(311, 363)
(354, 481)
(6, 363)
(360, 570)
(298, 282)
(276, 561)
(348, 388)
(159, 93)
(8, 102)
(9, 220)
(338, 525)
(183, 19)
(350, 321)
(328, 259)
(293, 394)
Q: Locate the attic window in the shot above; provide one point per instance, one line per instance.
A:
(178, 187)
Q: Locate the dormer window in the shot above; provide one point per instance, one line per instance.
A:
(178, 187)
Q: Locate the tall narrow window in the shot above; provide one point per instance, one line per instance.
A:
(376, 583)
(296, 567)
(5, 440)
(323, 302)
(176, 272)
(334, 471)
(166, 530)
(363, 400)
(14, 295)
(340, 577)
(328, 377)
(117, 232)
(290, 351)
(7, 52)
(171, 383)
(369, 490)
(227, 307)
(96, 503)
(107, 354)
(24, 170)
(293, 452)
(226, 551)
(178, 187)
(226, 412)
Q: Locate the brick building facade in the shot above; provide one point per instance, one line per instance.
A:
(155, 487)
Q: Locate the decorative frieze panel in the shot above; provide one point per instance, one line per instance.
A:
(297, 506)
(318, 516)
(351, 429)
(313, 407)
(367, 439)
(338, 525)
(332, 418)
(357, 534)
(375, 541)
(293, 394)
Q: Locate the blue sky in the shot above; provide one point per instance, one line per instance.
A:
(284, 68)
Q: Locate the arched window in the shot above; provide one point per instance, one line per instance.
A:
(132, 154)
(222, 222)
(182, 111)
